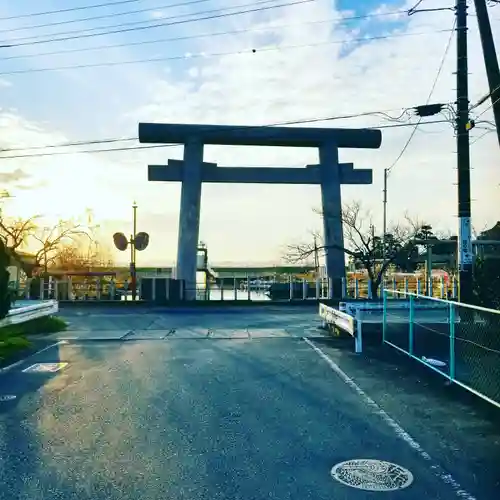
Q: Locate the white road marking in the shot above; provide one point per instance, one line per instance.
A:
(45, 367)
(21, 361)
(7, 397)
(400, 432)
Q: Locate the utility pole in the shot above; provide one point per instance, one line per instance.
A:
(133, 270)
(316, 258)
(465, 255)
(490, 59)
(384, 224)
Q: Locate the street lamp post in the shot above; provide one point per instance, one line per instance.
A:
(137, 242)
(133, 271)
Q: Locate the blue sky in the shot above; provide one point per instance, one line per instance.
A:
(335, 75)
(59, 89)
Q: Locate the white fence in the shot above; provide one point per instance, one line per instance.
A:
(333, 318)
(22, 314)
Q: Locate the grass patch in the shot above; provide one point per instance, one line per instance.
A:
(13, 338)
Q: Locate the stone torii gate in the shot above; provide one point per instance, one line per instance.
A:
(193, 172)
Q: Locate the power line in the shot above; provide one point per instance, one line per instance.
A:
(434, 83)
(122, 29)
(72, 9)
(383, 113)
(132, 26)
(213, 54)
(479, 137)
(68, 144)
(217, 33)
(488, 108)
(135, 148)
(483, 99)
(102, 16)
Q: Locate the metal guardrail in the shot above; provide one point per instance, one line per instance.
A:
(459, 341)
(250, 288)
(22, 314)
(333, 318)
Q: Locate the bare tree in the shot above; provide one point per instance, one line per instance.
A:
(81, 255)
(14, 232)
(51, 240)
(365, 247)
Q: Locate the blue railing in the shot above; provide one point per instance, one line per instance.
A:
(459, 341)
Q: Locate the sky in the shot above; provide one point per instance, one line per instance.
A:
(286, 60)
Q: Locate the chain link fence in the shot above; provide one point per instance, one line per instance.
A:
(460, 341)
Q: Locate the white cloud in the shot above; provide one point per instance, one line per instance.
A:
(158, 14)
(252, 222)
(5, 83)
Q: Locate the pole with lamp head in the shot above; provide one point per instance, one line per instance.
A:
(138, 242)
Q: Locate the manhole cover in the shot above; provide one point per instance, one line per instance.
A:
(372, 475)
(7, 397)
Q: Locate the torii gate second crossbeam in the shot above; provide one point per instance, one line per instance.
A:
(193, 172)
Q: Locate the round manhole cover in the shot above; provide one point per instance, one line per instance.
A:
(372, 475)
(7, 397)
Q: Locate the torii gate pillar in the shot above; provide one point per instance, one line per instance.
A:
(331, 204)
(189, 215)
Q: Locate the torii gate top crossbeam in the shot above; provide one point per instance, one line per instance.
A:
(228, 135)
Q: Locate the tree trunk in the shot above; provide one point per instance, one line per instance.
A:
(374, 283)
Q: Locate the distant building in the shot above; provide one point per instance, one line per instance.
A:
(490, 251)
(491, 234)
(20, 266)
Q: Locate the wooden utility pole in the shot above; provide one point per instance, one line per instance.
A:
(465, 255)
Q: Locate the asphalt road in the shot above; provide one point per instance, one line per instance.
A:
(251, 411)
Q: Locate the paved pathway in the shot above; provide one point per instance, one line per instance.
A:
(249, 411)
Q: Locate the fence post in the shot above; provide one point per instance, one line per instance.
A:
(356, 288)
(431, 287)
(455, 287)
(394, 286)
(42, 288)
(384, 314)
(407, 286)
(222, 289)
(318, 288)
(452, 340)
(235, 288)
(248, 288)
(441, 288)
(418, 286)
(304, 289)
(290, 281)
(330, 288)
(358, 334)
(411, 322)
(344, 288)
